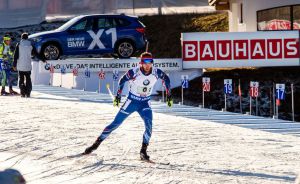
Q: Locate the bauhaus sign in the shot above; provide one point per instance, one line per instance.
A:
(273, 48)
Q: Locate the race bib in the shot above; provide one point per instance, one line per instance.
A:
(143, 91)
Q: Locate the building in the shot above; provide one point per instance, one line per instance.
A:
(14, 13)
(260, 15)
(78, 7)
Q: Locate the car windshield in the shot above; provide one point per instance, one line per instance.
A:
(66, 25)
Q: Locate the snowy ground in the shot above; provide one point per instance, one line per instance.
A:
(39, 136)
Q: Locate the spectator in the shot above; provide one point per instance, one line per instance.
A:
(6, 66)
(22, 60)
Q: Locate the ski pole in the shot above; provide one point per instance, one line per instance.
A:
(109, 92)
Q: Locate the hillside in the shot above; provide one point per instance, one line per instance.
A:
(164, 31)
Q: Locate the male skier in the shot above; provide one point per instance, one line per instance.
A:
(141, 82)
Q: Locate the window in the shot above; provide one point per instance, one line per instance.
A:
(80, 26)
(296, 17)
(274, 19)
(113, 22)
(280, 18)
(103, 23)
(122, 22)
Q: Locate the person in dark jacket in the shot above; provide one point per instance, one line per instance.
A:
(22, 61)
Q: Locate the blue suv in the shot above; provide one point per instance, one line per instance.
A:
(119, 35)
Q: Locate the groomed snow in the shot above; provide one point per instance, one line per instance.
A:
(40, 135)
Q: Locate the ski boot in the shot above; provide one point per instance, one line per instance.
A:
(143, 152)
(3, 92)
(93, 147)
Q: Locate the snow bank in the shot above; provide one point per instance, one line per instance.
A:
(40, 136)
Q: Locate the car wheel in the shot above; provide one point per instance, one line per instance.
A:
(51, 52)
(125, 49)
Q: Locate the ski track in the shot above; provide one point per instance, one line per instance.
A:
(40, 135)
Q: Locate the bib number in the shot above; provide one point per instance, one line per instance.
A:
(143, 91)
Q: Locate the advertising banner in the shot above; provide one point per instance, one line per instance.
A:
(108, 64)
(240, 49)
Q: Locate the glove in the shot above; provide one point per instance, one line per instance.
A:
(169, 101)
(117, 100)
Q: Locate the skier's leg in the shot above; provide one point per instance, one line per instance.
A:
(127, 108)
(124, 112)
(146, 114)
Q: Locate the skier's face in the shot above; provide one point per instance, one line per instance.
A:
(147, 67)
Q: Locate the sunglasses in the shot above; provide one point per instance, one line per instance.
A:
(147, 60)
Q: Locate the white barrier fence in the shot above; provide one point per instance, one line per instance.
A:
(109, 64)
(41, 76)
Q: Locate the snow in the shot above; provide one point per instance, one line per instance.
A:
(40, 137)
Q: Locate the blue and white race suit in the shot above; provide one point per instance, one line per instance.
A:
(140, 88)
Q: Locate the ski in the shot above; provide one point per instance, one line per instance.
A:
(148, 161)
(81, 155)
(153, 162)
(91, 154)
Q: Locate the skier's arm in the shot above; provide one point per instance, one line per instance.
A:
(163, 76)
(16, 55)
(128, 76)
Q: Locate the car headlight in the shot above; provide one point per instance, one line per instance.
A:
(36, 39)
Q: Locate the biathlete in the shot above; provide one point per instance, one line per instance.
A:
(141, 82)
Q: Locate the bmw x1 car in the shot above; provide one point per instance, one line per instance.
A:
(119, 35)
